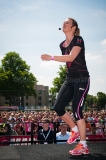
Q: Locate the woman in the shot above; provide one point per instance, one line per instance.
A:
(76, 85)
(88, 127)
(99, 126)
(18, 127)
(27, 126)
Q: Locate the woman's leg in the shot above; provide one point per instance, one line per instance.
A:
(67, 118)
(80, 93)
(82, 129)
(64, 97)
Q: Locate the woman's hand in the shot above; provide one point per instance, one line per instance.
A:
(45, 57)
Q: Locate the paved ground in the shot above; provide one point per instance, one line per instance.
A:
(51, 152)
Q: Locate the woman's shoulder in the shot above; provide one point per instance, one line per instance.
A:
(78, 37)
(78, 40)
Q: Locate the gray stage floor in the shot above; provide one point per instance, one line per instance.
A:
(51, 152)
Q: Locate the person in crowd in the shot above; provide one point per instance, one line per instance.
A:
(35, 126)
(91, 120)
(88, 127)
(6, 127)
(12, 122)
(99, 127)
(12, 116)
(63, 134)
(18, 127)
(51, 124)
(45, 135)
(105, 126)
(6, 130)
(27, 126)
(0, 118)
(56, 120)
(2, 133)
(24, 118)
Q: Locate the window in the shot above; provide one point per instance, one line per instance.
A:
(6, 98)
(39, 104)
(39, 98)
(26, 97)
(39, 91)
(27, 104)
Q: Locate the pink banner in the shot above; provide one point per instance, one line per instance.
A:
(20, 139)
(8, 108)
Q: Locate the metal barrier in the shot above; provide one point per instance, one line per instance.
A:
(32, 139)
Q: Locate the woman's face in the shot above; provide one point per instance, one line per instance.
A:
(67, 26)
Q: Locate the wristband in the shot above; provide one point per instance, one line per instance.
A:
(52, 58)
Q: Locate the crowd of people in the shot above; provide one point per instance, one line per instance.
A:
(20, 122)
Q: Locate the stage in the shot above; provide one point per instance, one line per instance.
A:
(51, 152)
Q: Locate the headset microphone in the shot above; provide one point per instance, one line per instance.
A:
(59, 28)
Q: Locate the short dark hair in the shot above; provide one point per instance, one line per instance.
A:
(46, 120)
(61, 124)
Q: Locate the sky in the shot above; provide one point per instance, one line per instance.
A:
(30, 28)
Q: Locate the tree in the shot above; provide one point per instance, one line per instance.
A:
(101, 99)
(95, 100)
(57, 82)
(89, 100)
(15, 77)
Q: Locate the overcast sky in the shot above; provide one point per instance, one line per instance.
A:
(30, 28)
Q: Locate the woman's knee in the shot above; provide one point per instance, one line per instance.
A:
(77, 115)
(59, 110)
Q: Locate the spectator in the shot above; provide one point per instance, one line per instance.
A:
(63, 134)
(99, 127)
(27, 126)
(18, 127)
(105, 126)
(24, 118)
(2, 129)
(6, 128)
(56, 123)
(0, 118)
(88, 128)
(35, 127)
(12, 116)
(46, 133)
(91, 120)
(51, 125)
(12, 121)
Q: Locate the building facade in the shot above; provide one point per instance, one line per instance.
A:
(41, 100)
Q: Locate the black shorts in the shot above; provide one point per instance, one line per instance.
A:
(75, 90)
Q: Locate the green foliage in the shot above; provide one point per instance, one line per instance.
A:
(89, 100)
(15, 77)
(58, 81)
(101, 99)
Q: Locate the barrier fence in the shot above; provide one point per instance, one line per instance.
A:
(32, 139)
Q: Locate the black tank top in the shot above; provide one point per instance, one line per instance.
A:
(77, 68)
